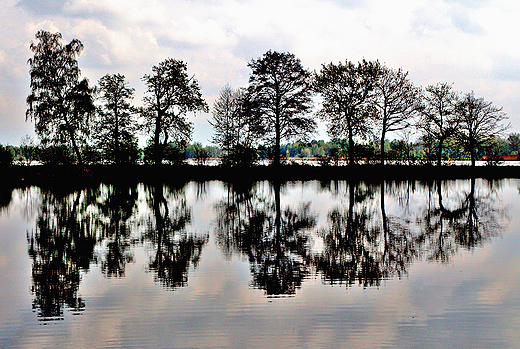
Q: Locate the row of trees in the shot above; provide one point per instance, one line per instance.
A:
(357, 102)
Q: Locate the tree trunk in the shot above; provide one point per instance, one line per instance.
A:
(439, 152)
(383, 134)
(157, 142)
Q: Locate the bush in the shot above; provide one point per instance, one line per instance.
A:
(6, 155)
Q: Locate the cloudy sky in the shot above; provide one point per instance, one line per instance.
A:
(472, 44)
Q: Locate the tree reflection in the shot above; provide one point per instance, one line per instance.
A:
(176, 250)
(61, 245)
(350, 253)
(249, 221)
(115, 212)
(469, 219)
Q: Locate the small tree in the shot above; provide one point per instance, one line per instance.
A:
(59, 102)
(346, 90)
(171, 94)
(280, 93)
(438, 120)
(237, 128)
(116, 127)
(479, 122)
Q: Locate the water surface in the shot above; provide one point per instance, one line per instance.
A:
(299, 264)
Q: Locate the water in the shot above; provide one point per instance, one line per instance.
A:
(303, 264)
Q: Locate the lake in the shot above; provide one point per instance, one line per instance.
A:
(309, 264)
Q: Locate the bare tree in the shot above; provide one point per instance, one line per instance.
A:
(438, 119)
(395, 100)
(479, 121)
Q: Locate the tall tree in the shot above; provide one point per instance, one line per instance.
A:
(237, 128)
(395, 101)
(116, 127)
(59, 102)
(479, 122)
(281, 92)
(171, 94)
(346, 90)
(438, 119)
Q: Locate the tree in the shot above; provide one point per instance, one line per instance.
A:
(237, 128)
(59, 102)
(513, 141)
(346, 90)
(395, 101)
(438, 119)
(171, 93)
(280, 91)
(116, 128)
(479, 122)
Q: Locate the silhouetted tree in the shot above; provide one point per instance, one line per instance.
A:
(59, 102)
(438, 120)
(395, 100)
(479, 122)
(171, 94)
(116, 129)
(279, 88)
(346, 90)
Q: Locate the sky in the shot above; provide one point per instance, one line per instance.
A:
(468, 43)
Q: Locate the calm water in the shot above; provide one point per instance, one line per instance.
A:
(305, 264)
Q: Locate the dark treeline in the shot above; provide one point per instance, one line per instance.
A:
(360, 103)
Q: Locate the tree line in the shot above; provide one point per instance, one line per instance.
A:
(360, 103)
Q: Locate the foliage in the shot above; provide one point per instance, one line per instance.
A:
(116, 127)
(59, 103)
(6, 155)
(170, 95)
(346, 90)
(280, 93)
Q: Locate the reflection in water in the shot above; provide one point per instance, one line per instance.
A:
(116, 207)
(369, 232)
(275, 240)
(61, 244)
(175, 248)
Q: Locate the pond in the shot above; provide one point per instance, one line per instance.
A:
(262, 264)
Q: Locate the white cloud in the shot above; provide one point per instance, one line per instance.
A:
(472, 45)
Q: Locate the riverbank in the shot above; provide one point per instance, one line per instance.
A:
(38, 175)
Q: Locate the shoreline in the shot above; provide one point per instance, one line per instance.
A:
(75, 175)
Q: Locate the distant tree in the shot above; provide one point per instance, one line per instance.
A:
(513, 141)
(280, 90)
(28, 150)
(479, 122)
(171, 93)
(346, 90)
(6, 155)
(395, 101)
(438, 120)
(59, 102)
(237, 128)
(116, 127)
